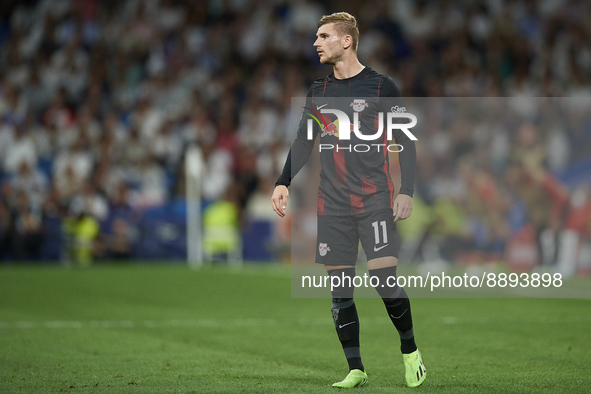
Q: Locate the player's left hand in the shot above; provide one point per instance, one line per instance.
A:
(402, 207)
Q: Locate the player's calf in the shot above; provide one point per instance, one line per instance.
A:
(398, 306)
(346, 320)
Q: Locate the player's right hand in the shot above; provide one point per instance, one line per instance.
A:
(279, 200)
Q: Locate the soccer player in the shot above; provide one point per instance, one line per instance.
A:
(355, 197)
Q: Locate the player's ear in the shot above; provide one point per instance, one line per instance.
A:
(347, 41)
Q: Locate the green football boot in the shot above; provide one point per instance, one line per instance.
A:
(356, 378)
(415, 371)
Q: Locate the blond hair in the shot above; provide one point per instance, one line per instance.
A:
(345, 24)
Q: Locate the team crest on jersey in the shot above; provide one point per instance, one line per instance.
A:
(323, 249)
(359, 105)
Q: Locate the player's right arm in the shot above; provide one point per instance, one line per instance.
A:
(297, 157)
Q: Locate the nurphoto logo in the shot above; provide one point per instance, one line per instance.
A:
(342, 127)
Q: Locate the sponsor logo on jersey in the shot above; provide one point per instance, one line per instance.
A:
(331, 129)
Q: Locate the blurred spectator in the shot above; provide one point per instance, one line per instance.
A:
(59, 113)
(117, 243)
(574, 252)
(87, 126)
(32, 182)
(217, 175)
(36, 93)
(21, 149)
(5, 230)
(147, 118)
(258, 125)
(120, 202)
(151, 181)
(72, 167)
(82, 232)
(90, 202)
(136, 148)
(199, 129)
(221, 227)
(13, 105)
(27, 237)
(166, 145)
(545, 199)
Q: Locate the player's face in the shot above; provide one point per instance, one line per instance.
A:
(329, 44)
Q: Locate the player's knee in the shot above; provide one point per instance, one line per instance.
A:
(342, 282)
(387, 284)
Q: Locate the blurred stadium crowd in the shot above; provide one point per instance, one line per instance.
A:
(99, 101)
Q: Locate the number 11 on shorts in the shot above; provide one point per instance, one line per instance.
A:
(376, 231)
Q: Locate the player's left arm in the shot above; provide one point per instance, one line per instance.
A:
(407, 157)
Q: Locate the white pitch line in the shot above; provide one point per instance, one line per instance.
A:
(253, 322)
(266, 322)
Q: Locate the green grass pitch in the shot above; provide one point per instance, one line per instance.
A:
(169, 329)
